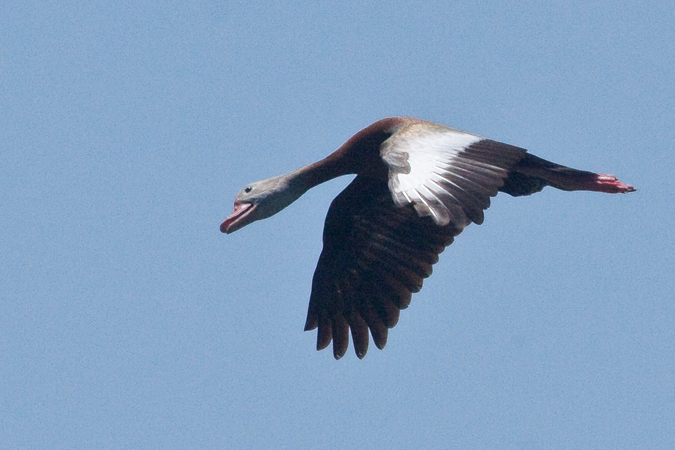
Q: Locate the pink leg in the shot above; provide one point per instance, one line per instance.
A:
(532, 168)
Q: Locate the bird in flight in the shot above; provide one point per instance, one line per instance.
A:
(417, 185)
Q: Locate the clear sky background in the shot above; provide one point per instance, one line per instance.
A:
(128, 321)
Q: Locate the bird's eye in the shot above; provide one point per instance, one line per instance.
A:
(248, 189)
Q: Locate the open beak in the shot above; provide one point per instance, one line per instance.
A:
(241, 216)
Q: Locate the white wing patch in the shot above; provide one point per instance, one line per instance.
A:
(445, 173)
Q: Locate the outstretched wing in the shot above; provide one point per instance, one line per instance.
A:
(375, 255)
(381, 239)
(445, 173)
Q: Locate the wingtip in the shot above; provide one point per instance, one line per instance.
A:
(312, 322)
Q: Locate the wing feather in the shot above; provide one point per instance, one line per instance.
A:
(382, 238)
(445, 173)
(375, 255)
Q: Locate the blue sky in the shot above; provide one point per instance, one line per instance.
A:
(128, 321)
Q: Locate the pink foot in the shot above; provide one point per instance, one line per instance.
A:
(611, 185)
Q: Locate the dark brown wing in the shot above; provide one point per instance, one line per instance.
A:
(375, 255)
(381, 239)
(447, 174)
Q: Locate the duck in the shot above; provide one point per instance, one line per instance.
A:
(418, 184)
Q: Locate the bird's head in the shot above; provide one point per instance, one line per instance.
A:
(260, 200)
